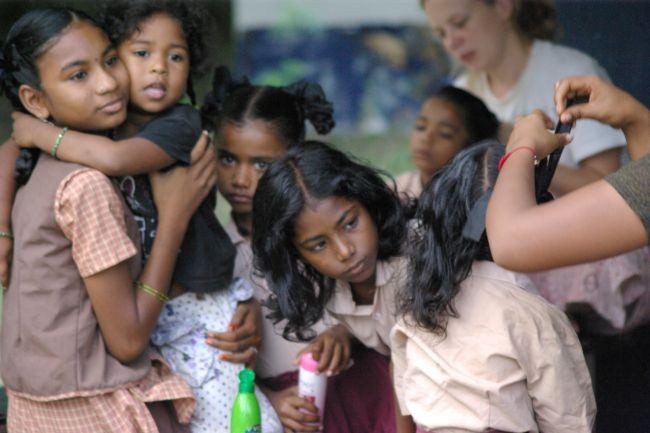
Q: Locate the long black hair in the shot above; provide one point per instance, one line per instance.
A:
(27, 40)
(122, 18)
(285, 109)
(313, 170)
(440, 257)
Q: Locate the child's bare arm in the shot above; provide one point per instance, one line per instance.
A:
(130, 156)
(177, 195)
(8, 153)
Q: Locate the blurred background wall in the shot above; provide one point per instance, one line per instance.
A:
(377, 59)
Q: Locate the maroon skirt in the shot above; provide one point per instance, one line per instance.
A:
(422, 430)
(358, 400)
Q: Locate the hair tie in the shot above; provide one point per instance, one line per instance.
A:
(314, 105)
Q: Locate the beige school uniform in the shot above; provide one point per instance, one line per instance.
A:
(371, 324)
(510, 361)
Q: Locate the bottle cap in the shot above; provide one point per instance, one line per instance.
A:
(246, 380)
(308, 362)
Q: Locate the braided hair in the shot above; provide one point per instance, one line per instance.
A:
(284, 108)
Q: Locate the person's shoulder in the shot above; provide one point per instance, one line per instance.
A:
(510, 296)
(565, 60)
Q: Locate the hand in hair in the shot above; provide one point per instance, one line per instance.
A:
(533, 130)
(243, 337)
(607, 104)
(331, 348)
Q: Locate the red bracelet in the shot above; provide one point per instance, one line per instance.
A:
(505, 157)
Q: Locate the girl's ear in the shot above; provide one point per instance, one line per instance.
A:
(34, 101)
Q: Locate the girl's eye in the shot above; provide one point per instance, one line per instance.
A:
(112, 60)
(227, 160)
(78, 76)
(352, 223)
(176, 57)
(419, 127)
(446, 135)
(320, 246)
(141, 53)
(460, 22)
(261, 165)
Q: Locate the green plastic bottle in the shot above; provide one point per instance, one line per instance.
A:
(245, 416)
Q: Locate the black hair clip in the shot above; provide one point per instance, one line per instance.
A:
(475, 224)
(546, 168)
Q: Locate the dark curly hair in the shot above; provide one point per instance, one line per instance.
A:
(28, 38)
(285, 108)
(479, 121)
(440, 257)
(121, 18)
(313, 170)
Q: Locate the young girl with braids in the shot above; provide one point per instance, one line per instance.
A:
(327, 235)
(475, 350)
(256, 125)
(80, 308)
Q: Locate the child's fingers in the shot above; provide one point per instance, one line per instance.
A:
(237, 320)
(225, 342)
(334, 366)
(247, 357)
(328, 348)
(315, 348)
(200, 147)
(300, 415)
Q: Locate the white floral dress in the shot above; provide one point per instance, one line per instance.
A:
(180, 337)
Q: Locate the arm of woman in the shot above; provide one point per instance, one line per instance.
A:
(589, 170)
(177, 195)
(588, 224)
(8, 153)
(130, 156)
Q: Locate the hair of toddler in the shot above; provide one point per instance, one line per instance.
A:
(313, 171)
(122, 18)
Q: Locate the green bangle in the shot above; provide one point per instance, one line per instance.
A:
(7, 235)
(58, 140)
(151, 291)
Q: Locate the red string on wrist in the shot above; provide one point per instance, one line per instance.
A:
(505, 157)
